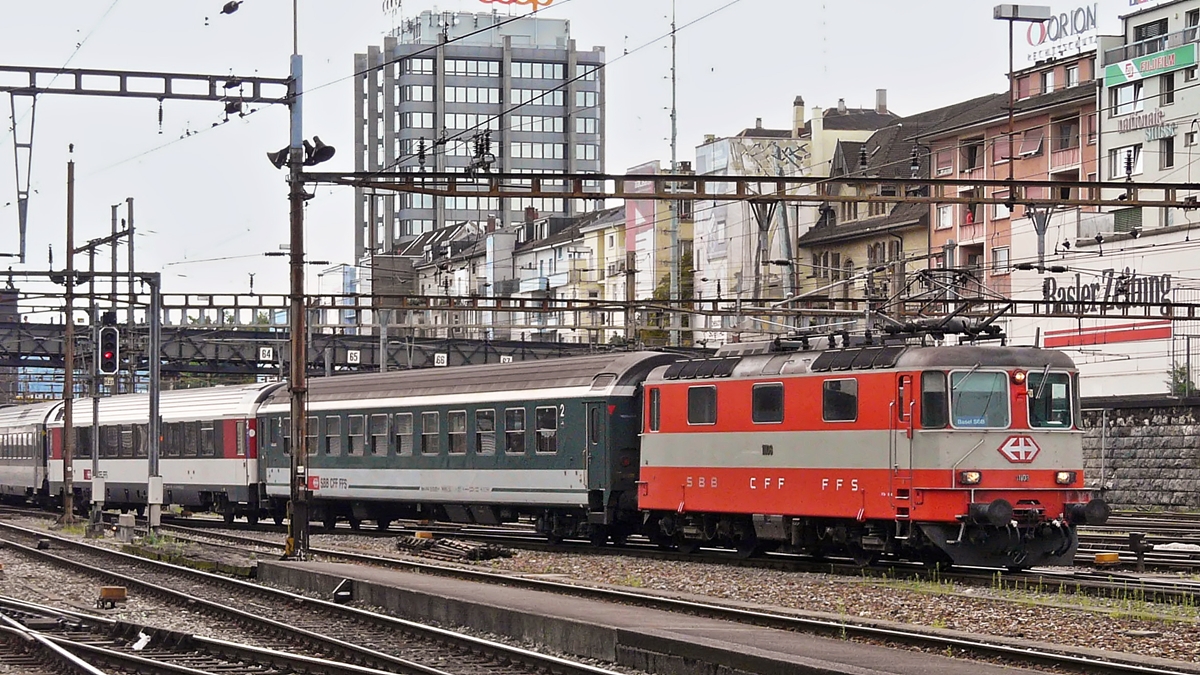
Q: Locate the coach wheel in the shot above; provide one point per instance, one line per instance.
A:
(330, 521)
(140, 511)
(382, 524)
(355, 523)
(252, 518)
(227, 515)
(689, 546)
(864, 558)
(278, 519)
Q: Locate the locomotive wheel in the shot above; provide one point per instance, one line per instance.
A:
(252, 517)
(749, 548)
(278, 520)
(227, 515)
(689, 546)
(382, 524)
(598, 537)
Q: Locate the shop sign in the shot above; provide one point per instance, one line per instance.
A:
(1100, 296)
(1183, 56)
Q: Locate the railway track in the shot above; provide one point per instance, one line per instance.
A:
(91, 644)
(993, 648)
(292, 623)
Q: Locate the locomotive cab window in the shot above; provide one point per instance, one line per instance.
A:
(1049, 400)
(547, 429)
(430, 433)
(839, 400)
(979, 399)
(655, 410)
(514, 431)
(485, 432)
(767, 403)
(702, 405)
(934, 407)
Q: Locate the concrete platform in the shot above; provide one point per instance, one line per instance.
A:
(649, 640)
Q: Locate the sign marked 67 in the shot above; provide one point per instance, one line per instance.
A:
(1019, 449)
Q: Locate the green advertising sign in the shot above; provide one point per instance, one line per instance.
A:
(1137, 68)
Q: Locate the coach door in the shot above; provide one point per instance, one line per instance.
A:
(900, 445)
(595, 445)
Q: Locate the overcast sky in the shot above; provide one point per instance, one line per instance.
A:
(213, 194)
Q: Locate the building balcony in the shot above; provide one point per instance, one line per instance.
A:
(970, 233)
(1067, 158)
(1151, 46)
(973, 173)
(534, 285)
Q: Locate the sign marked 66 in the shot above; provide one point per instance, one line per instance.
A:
(1019, 449)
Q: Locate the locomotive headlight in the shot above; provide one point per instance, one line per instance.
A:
(970, 477)
(1064, 477)
(1018, 377)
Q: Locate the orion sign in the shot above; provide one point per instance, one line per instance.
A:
(536, 4)
(1068, 32)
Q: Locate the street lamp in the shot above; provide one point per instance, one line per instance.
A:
(1025, 14)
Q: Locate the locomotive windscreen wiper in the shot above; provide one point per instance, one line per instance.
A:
(956, 385)
(1042, 384)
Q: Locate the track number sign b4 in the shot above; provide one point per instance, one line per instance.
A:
(1019, 449)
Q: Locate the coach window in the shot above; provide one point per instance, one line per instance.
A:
(934, 414)
(126, 440)
(978, 399)
(110, 442)
(208, 440)
(141, 448)
(655, 410)
(430, 431)
(767, 403)
(456, 428)
(285, 432)
(312, 433)
(379, 435)
(333, 435)
(702, 405)
(485, 432)
(404, 434)
(240, 427)
(358, 435)
(514, 431)
(839, 400)
(547, 429)
(1049, 400)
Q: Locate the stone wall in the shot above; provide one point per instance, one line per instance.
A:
(1146, 454)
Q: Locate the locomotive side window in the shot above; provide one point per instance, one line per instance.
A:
(655, 410)
(979, 399)
(456, 421)
(485, 432)
(767, 403)
(430, 430)
(333, 435)
(702, 405)
(839, 400)
(1049, 400)
(934, 413)
(379, 434)
(404, 431)
(514, 430)
(547, 429)
(357, 434)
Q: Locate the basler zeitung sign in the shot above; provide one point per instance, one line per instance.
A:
(1113, 289)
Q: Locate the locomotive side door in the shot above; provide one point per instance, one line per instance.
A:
(900, 445)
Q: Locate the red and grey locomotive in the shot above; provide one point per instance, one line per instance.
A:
(946, 454)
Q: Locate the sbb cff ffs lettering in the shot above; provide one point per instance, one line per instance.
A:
(109, 352)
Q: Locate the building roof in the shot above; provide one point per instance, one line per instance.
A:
(854, 119)
(994, 107)
(905, 214)
(434, 240)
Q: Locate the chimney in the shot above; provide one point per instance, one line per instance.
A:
(710, 138)
(757, 122)
(841, 106)
(881, 101)
(491, 223)
(798, 117)
(531, 214)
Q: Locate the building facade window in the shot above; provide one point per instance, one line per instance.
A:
(587, 125)
(586, 99)
(1126, 161)
(473, 68)
(1166, 152)
(1166, 89)
(417, 92)
(537, 71)
(1000, 260)
(945, 217)
(1072, 76)
(536, 97)
(586, 73)
(416, 66)
(537, 150)
(536, 123)
(1125, 99)
(587, 152)
(1047, 81)
(471, 121)
(472, 95)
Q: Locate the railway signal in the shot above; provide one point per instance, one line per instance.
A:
(109, 351)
